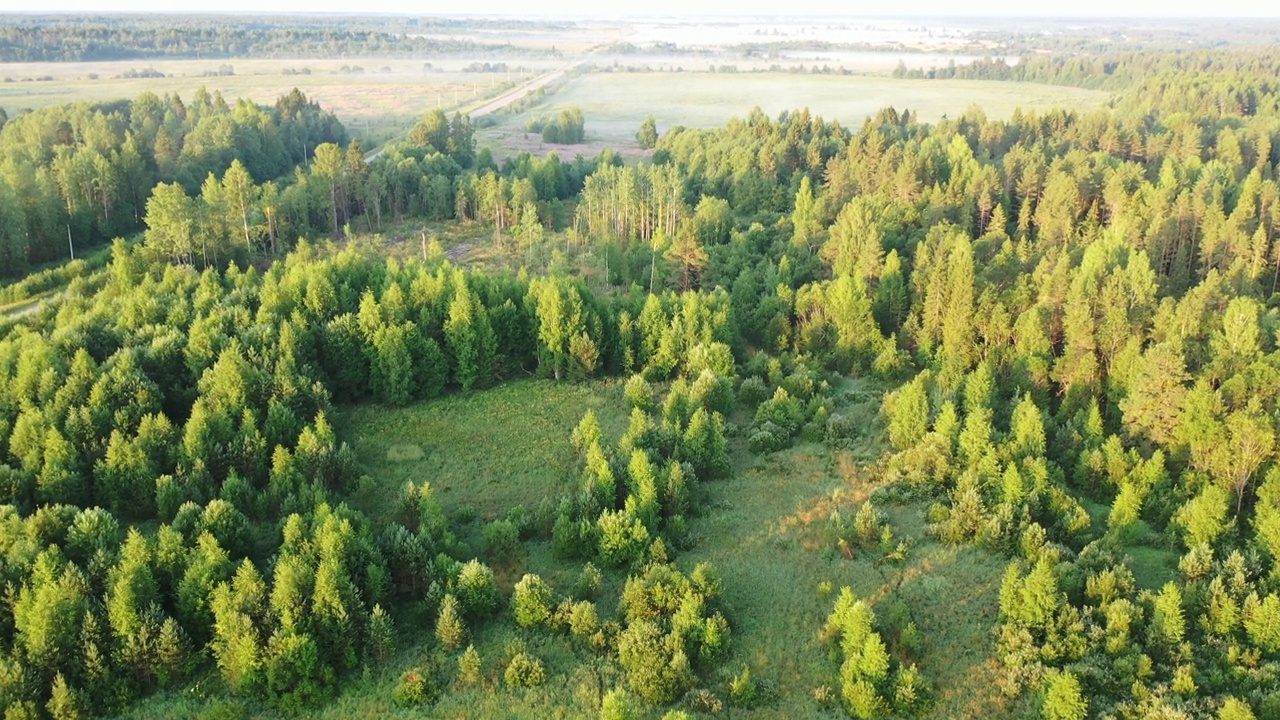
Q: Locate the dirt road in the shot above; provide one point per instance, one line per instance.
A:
(504, 99)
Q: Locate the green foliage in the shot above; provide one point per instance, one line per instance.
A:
(451, 630)
(639, 393)
(623, 538)
(524, 671)
(656, 671)
(1063, 699)
(1084, 294)
(908, 412)
(295, 677)
(532, 601)
(618, 705)
(477, 590)
(470, 666)
(647, 135)
(501, 539)
(743, 692)
(415, 688)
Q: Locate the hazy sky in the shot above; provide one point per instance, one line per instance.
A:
(950, 8)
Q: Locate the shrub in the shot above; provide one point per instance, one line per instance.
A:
(768, 437)
(501, 539)
(524, 671)
(296, 679)
(742, 689)
(469, 666)
(532, 601)
(415, 688)
(583, 621)
(476, 590)
(618, 705)
(639, 393)
(623, 538)
(588, 582)
(752, 392)
(712, 391)
(451, 631)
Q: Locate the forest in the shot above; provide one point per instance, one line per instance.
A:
(1047, 343)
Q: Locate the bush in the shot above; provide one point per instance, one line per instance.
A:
(623, 538)
(477, 590)
(742, 689)
(501, 540)
(767, 438)
(470, 667)
(752, 392)
(532, 601)
(296, 679)
(524, 671)
(781, 410)
(639, 393)
(451, 631)
(712, 391)
(588, 582)
(415, 688)
(618, 705)
(840, 430)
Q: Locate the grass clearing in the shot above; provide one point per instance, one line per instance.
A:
(766, 533)
(487, 451)
(614, 104)
(766, 530)
(1152, 567)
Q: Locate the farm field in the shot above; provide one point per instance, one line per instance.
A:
(385, 98)
(614, 104)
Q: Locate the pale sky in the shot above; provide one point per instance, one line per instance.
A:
(934, 8)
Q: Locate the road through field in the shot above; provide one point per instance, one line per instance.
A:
(507, 98)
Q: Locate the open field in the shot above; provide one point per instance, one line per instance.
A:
(488, 451)
(614, 104)
(386, 98)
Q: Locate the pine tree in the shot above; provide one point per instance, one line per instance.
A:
(532, 601)
(470, 667)
(382, 640)
(908, 411)
(172, 652)
(1063, 699)
(65, 702)
(805, 219)
(451, 631)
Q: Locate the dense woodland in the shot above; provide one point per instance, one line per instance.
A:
(84, 173)
(1075, 315)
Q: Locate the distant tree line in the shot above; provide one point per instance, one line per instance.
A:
(37, 39)
(1204, 83)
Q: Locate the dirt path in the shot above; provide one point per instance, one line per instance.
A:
(541, 81)
(23, 308)
(504, 99)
